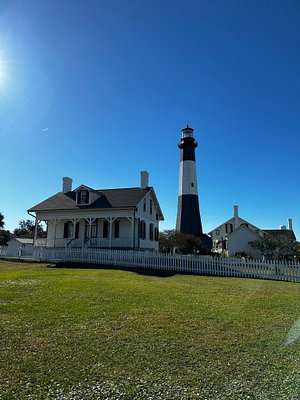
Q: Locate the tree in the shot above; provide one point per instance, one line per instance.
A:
(165, 241)
(1, 220)
(275, 248)
(171, 240)
(27, 228)
(297, 251)
(5, 236)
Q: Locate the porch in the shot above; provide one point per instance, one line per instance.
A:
(110, 232)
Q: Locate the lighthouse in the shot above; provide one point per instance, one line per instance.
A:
(188, 214)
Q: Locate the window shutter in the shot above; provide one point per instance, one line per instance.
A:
(142, 228)
(151, 231)
(77, 230)
(66, 225)
(117, 229)
(105, 229)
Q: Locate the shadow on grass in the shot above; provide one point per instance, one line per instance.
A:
(141, 271)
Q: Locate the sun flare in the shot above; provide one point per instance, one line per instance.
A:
(2, 70)
(1, 74)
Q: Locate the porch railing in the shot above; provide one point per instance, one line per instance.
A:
(79, 243)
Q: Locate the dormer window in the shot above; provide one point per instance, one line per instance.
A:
(83, 197)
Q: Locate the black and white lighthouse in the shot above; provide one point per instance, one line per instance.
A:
(188, 214)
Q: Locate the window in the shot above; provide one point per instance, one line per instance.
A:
(116, 229)
(228, 228)
(151, 231)
(156, 234)
(217, 232)
(94, 230)
(151, 206)
(192, 184)
(105, 229)
(142, 230)
(68, 230)
(83, 197)
(144, 205)
(91, 229)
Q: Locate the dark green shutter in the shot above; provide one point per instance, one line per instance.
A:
(77, 230)
(105, 229)
(117, 229)
(66, 230)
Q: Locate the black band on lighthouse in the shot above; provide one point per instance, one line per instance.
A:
(188, 216)
(187, 149)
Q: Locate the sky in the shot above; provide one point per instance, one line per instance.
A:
(100, 90)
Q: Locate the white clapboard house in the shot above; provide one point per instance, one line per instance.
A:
(236, 235)
(126, 218)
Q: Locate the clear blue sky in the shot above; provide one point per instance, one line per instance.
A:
(99, 90)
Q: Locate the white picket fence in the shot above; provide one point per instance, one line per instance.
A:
(202, 265)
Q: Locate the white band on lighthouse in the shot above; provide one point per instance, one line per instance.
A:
(187, 178)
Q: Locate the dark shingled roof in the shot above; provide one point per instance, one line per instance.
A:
(109, 198)
(281, 234)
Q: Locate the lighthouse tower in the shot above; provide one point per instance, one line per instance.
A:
(188, 214)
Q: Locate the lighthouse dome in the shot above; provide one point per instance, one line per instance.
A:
(187, 132)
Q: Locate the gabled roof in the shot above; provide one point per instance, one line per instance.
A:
(244, 227)
(231, 220)
(156, 204)
(83, 187)
(285, 234)
(109, 198)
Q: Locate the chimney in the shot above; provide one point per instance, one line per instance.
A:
(290, 224)
(282, 227)
(67, 184)
(236, 216)
(144, 179)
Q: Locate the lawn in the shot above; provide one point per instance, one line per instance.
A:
(71, 333)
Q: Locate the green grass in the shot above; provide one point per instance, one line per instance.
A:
(68, 333)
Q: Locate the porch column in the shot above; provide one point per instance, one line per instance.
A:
(35, 231)
(111, 221)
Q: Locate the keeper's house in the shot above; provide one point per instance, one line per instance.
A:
(126, 218)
